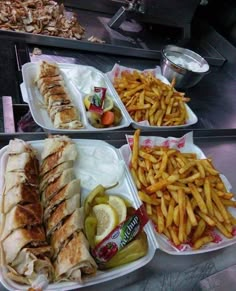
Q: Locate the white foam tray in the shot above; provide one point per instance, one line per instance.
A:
(32, 96)
(116, 71)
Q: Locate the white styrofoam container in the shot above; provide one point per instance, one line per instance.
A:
(116, 71)
(125, 188)
(32, 96)
(183, 144)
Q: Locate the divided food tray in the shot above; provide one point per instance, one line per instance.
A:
(72, 74)
(126, 188)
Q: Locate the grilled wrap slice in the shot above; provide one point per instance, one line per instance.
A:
(64, 154)
(20, 194)
(31, 262)
(47, 69)
(55, 143)
(13, 179)
(61, 212)
(21, 216)
(72, 188)
(74, 260)
(21, 237)
(55, 186)
(52, 175)
(73, 223)
(23, 162)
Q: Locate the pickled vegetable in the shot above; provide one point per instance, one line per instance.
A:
(90, 227)
(131, 252)
(98, 191)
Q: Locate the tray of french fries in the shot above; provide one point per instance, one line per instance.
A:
(185, 196)
(150, 100)
(70, 97)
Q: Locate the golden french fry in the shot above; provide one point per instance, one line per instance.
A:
(217, 214)
(163, 206)
(220, 206)
(135, 150)
(199, 230)
(174, 237)
(207, 190)
(188, 227)
(135, 178)
(145, 198)
(222, 229)
(190, 212)
(170, 213)
(202, 241)
(141, 177)
(176, 215)
(181, 197)
(198, 198)
(161, 221)
(149, 209)
(207, 219)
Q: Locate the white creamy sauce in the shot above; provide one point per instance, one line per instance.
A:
(99, 166)
(85, 79)
(189, 65)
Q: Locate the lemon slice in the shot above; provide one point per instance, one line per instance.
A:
(107, 220)
(108, 103)
(119, 205)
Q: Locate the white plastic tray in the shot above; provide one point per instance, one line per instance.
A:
(104, 151)
(72, 74)
(183, 144)
(116, 71)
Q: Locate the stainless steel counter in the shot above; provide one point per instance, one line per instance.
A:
(167, 272)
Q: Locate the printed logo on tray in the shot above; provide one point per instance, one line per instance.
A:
(178, 143)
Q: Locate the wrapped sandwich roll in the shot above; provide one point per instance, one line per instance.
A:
(63, 210)
(63, 216)
(57, 100)
(71, 189)
(64, 231)
(24, 248)
(22, 216)
(30, 264)
(52, 188)
(52, 175)
(20, 194)
(74, 260)
(58, 154)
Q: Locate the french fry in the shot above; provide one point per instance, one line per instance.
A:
(190, 212)
(207, 190)
(135, 150)
(221, 207)
(174, 236)
(181, 197)
(202, 241)
(170, 213)
(199, 230)
(163, 206)
(222, 229)
(161, 221)
(176, 215)
(198, 198)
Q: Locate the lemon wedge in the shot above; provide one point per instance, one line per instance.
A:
(108, 103)
(107, 220)
(119, 205)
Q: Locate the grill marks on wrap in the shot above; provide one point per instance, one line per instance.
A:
(40, 236)
(57, 100)
(23, 239)
(63, 215)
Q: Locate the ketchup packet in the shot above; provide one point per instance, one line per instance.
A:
(120, 236)
(97, 100)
